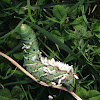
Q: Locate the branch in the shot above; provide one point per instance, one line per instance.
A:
(40, 82)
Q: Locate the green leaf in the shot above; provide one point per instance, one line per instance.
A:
(59, 12)
(12, 44)
(5, 93)
(93, 93)
(78, 20)
(21, 11)
(53, 19)
(56, 32)
(18, 56)
(97, 29)
(57, 35)
(81, 92)
(73, 13)
(17, 92)
(96, 51)
(95, 98)
(97, 35)
(4, 98)
(78, 26)
(88, 95)
(87, 34)
(62, 21)
(79, 23)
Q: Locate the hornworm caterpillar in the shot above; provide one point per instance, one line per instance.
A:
(43, 69)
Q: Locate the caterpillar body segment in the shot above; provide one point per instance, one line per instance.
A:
(46, 70)
(30, 45)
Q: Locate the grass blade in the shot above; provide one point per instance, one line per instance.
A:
(29, 11)
(55, 40)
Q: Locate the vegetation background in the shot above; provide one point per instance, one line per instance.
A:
(67, 30)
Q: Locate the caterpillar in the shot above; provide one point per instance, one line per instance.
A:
(43, 69)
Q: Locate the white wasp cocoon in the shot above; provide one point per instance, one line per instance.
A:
(61, 66)
(47, 70)
(61, 77)
(26, 47)
(33, 58)
(50, 97)
(76, 76)
(30, 43)
(53, 83)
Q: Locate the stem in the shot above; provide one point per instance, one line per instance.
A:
(40, 82)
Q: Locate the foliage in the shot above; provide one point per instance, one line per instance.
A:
(88, 95)
(15, 94)
(68, 31)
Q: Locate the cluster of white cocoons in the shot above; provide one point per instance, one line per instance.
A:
(61, 66)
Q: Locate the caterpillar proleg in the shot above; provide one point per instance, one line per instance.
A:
(43, 69)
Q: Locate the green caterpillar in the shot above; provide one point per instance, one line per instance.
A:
(43, 69)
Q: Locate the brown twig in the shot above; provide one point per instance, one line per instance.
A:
(40, 82)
